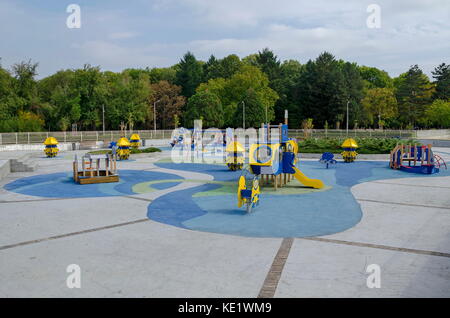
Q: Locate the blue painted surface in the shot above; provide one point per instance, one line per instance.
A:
(298, 215)
(164, 185)
(61, 185)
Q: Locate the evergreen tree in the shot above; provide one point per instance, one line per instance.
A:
(442, 76)
(321, 90)
(414, 91)
(189, 74)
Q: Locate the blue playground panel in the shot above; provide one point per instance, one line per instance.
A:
(300, 215)
(61, 185)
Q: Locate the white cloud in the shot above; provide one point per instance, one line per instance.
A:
(157, 33)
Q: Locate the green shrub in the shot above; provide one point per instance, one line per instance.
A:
(366, 145)
(133, 151)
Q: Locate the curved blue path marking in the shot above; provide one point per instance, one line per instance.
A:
(299, 215)
(61, 185)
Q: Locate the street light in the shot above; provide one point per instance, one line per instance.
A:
(103, 111)
(154, 115)
(348, 101)
(243, 111)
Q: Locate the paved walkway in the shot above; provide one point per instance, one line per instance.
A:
(122, 253)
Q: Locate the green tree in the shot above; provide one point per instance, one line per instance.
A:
(353, 87)
(380, 104)
(321, 90)
(207, 106)
(286, 88)
(438, 113)
(168, 74)
(374, 77)
(61, 100)
(189, 74)
(442, 76)
(224, 68)
(25, 84)
(269, 63)
(413, 92)
(127, 99)
(234, 90)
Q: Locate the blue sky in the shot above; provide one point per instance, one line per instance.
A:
(137, 33)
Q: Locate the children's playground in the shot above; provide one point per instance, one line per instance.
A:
(258, 221)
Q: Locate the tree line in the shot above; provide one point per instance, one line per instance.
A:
(218, 91)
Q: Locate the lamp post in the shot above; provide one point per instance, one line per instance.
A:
(243, 111)
(103, 111)
(348, 101)
(154, 115)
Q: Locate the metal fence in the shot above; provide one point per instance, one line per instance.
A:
(357, 133)
(86, 136)
(79, 136)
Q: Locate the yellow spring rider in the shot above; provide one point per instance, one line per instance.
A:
(123, 150)
(235, 156)
(248, 196)
(51, 147)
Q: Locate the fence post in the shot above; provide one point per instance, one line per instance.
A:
(28, 138)
(65, 136)
(96, 135)
(17, 138)
(1, 139)
(81, 136)
(111, 136)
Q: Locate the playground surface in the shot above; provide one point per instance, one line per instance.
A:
(174, 230)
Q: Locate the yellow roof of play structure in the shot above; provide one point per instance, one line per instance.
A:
(350, 143)
(50, 141)
(235, 147)
(135, 137)
(123, 142)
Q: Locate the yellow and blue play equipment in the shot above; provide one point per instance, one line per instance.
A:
(278, 159)
(51, 147)
(235, 156)
(248, 195)
(135, 141)
(123, 148)
(349, 154)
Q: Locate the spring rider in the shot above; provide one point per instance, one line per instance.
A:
(123, 150)
(248, 195)
(328, 159)
(51, 147)
(349, 154)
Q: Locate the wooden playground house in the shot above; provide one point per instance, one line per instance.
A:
(92, 170)
(414, 158)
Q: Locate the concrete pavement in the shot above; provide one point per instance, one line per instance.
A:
(405, 230)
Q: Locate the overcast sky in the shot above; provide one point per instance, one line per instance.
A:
(118, 34)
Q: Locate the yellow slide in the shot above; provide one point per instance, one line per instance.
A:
(313, 183)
